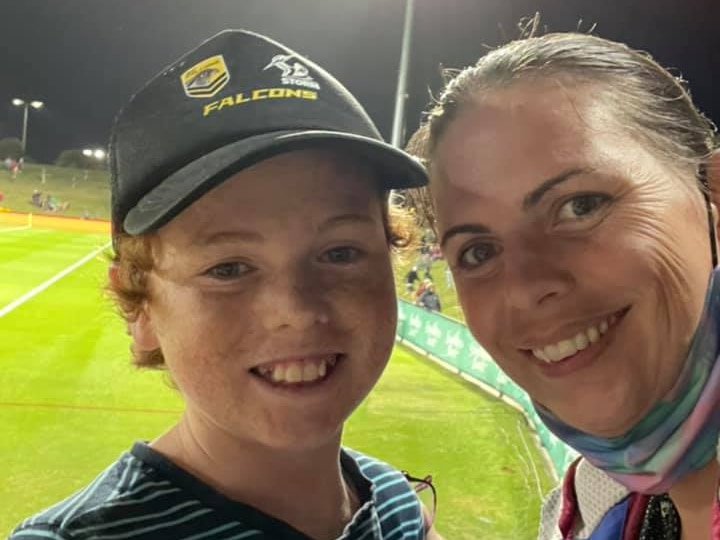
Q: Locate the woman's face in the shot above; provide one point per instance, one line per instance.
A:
(272, 299)
(581, 259)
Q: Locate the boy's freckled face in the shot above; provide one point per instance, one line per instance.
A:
(282, 271)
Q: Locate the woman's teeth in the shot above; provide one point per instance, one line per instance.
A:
(568, 347)
(298, 371)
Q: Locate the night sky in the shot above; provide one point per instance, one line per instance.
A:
(84, 58)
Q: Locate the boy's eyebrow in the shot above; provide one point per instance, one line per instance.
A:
(220, 237)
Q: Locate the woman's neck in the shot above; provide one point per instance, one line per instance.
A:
(693, 497)
(276, 482)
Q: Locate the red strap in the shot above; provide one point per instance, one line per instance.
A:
(637, 505)
(569, 508)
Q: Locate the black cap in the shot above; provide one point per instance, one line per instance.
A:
(235, 100)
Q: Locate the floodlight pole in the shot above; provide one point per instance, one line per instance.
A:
(398, 129)
(26, 106)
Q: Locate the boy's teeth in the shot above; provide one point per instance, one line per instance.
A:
(310, 372)
(294, 373)
(297, 372)
(568, 347)
(278, 374)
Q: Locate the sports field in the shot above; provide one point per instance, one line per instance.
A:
(70, 402)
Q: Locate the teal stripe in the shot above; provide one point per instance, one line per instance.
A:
(416, 523)
(394, 482)
(37, 533)
(144, 530)
(396, 498)
(389, 474)
(145, 517)
(394, 511)
(124, 502)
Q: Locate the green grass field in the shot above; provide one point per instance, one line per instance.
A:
(70, 403)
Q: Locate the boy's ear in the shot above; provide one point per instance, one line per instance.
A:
(143, 333)
(141, 329)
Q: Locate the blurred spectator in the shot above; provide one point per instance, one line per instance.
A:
(435, 253)
(36, 198)
(421, 288)
(410, 278)
(429, 299)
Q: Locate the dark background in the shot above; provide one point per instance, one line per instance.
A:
(84, 58)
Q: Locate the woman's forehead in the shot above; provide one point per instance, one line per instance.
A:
(521, 132)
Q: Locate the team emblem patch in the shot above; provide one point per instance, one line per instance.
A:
(206, 78)
(293, 72)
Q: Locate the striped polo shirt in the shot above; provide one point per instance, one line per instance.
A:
(144, 495)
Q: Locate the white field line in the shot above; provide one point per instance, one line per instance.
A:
(14, 229)
(40, 288)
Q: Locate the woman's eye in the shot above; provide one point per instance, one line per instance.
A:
(477, 254)
(582, 206)
(341, 255)
(228, 270)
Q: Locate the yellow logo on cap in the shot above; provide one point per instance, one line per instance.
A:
(206, 78)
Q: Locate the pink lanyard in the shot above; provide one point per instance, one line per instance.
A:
(635, 513)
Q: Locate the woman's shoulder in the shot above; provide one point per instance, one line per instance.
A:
(596, 495)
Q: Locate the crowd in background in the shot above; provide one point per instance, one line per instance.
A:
(419, 282)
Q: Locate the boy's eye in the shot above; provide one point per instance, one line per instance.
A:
(477, 254)
(582, 206)
(228, 270)
(341, 255)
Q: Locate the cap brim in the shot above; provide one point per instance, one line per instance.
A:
(397, 170)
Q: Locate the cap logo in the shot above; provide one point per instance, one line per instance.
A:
(293, 72)
(206, 78)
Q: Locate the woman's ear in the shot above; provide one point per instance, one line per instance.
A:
(712, 171)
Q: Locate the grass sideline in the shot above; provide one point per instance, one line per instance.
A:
(63, 423)
(84, 190)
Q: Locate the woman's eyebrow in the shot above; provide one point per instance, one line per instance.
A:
(532, 198)
(472, 228)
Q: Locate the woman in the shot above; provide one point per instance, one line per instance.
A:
(264, 333)
(569, 177)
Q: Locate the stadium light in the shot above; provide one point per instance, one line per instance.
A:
(97, 153)
(35, 104)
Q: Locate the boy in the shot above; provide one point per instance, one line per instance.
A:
(252, 242)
